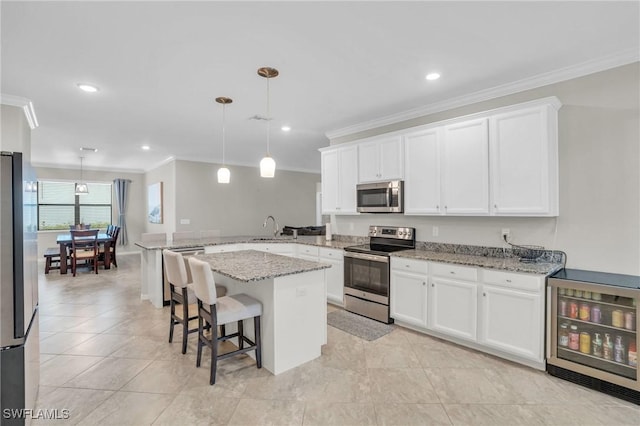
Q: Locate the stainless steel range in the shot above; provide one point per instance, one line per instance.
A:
(366, 271)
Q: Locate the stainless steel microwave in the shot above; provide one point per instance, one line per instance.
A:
(380, 197)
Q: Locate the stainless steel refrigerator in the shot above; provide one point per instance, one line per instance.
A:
(19, 331)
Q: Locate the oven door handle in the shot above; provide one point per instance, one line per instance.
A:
(364, 256)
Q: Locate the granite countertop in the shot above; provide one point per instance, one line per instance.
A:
(512, 264)
(253, 265)
(318, 241)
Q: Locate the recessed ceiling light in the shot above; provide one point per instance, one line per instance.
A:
(145, 147)
(432, 76)
(89, 88)
(84, 148)
(285, 128)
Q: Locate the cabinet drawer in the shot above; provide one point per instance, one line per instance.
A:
(454, 271)
(527, 282)
(409, 265)
(328, 253)
(308, 250)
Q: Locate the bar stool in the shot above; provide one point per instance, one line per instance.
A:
(181, 293)
(176, 273)
(216, 311)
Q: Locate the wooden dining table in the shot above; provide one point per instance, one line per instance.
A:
(64, 241)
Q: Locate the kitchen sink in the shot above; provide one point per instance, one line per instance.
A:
(272, 238)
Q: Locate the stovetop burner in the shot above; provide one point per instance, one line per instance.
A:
(387, 239)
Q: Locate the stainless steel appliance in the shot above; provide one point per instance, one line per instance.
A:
(19, 332)
(186, 254)
(592, 335)
(367, 273)
(380, 197)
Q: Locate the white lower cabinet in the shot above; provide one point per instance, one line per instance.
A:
(408, 292)
(283, 249)
(493, 311)
(334, 275)
(512, 317)
(222, 248)
(453, 307)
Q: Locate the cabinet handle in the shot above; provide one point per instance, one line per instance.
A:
(437, 207)
(452, 272)
(433, 285)
(508, 281)
(424, 283)
(406, 266)
(495, 206)
(484, 294)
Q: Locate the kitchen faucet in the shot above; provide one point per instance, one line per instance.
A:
(275, 225)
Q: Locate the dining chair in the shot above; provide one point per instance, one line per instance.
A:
(84, 246)
(115, 232)
(214, 311)
(183, 235)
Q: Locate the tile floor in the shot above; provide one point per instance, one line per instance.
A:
(105, 357)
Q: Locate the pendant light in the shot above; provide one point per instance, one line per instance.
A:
(268, 165)
(81, 187)
(224, 175)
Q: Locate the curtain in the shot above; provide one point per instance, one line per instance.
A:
(122, 190)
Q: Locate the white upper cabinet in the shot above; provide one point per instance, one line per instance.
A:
(502, 162)
(465, 168)
(422, 172)
(339, 179)
(381, 159)
(524, 162)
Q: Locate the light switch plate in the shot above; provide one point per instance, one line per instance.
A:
(185, 221)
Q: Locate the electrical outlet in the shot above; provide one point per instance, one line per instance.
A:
(506, 234)
(185, 222)
(435, 231)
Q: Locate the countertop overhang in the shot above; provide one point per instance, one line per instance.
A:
(253, 265)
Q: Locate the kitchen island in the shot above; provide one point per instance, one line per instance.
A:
(292, 293)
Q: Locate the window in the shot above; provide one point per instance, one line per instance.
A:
(59, 206)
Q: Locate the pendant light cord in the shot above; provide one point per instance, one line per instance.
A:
(81, 169)
(268, 118)
(224, 120)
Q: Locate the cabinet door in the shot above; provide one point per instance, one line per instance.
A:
(335, 281)
(391, 158)
(453, 307)
(422, 173)
(465, 166)
(381, 159)
(512, 321)
(368, 166)
(408, 298)
(348, 179)
(330, 188)
(522, 181)
(334, 276)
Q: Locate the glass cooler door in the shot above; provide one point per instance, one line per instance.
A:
(596, 329)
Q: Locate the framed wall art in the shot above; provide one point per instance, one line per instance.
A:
(154, 204)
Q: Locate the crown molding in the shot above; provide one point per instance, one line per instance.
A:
(624, 57)
(25, 104)
(249, 165)
(85, 168)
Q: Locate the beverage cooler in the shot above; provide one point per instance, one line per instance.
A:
(592, 338)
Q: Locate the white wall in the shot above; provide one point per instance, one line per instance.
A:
(191, 191)
(135, 210)
(599, 154)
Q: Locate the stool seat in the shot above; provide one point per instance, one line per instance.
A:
(236, 308)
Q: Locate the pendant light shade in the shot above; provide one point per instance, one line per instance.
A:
(267, 167)
(224, 175)
(81, 187)
(268, 164)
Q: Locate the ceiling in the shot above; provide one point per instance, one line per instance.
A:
(159, 66)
